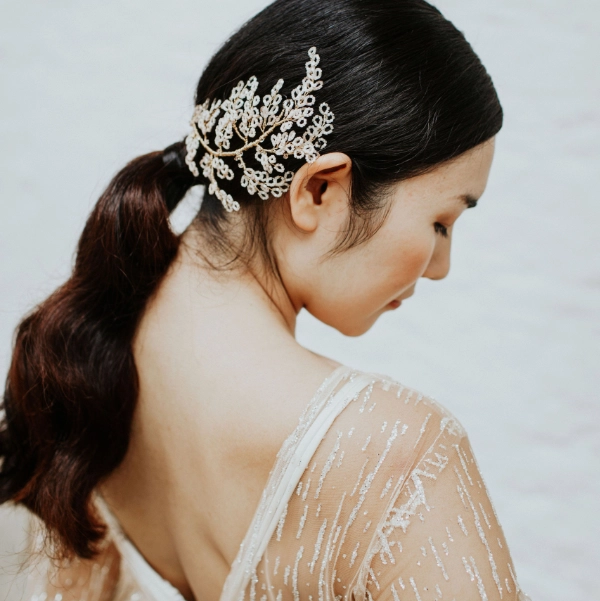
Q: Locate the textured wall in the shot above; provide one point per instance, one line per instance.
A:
(507, 341)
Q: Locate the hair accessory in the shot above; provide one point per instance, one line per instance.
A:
(253, 125)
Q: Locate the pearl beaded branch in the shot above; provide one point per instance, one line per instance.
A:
(253, 125)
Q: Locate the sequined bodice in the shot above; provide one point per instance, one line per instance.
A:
(375, 495)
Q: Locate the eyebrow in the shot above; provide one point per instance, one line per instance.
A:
(469, 200)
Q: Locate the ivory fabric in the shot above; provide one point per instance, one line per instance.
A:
(376, 495)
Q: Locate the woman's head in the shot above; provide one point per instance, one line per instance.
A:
(409, 95)
(413, 109)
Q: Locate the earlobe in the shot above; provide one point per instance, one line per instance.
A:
(317, 187)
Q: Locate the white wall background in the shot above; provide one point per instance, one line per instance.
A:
(508, 341)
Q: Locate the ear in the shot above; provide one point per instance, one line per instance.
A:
(320, 189)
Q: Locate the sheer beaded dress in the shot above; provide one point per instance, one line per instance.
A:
(376, 495)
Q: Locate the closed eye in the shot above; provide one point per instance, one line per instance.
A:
(441, 229)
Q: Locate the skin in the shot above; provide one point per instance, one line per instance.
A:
(223, 380)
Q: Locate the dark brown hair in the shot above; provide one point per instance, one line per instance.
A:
(408, 93)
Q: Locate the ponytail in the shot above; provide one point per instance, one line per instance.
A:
(72, 384)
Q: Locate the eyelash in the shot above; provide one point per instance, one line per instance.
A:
(440, 229)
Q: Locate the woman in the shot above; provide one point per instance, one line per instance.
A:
(163, 423)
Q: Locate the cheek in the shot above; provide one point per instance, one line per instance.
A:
(402, 261)
(356, 291)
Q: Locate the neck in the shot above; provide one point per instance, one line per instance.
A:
(247, 290)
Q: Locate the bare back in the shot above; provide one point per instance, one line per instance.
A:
(216, 403)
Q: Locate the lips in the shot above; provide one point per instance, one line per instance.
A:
(398, 301)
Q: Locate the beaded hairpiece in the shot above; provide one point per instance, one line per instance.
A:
(253, 125)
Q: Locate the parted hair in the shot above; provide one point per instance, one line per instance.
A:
(408, 93)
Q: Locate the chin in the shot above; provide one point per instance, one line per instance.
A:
(348, 323)
(353, 328)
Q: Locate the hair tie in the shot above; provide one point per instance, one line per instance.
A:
(172, 154)
(178, 179)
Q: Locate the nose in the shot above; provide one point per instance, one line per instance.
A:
(439, 274)
(439, 265)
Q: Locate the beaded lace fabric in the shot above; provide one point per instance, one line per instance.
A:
(376, 495)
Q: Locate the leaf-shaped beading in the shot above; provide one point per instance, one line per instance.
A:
(253, 123)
